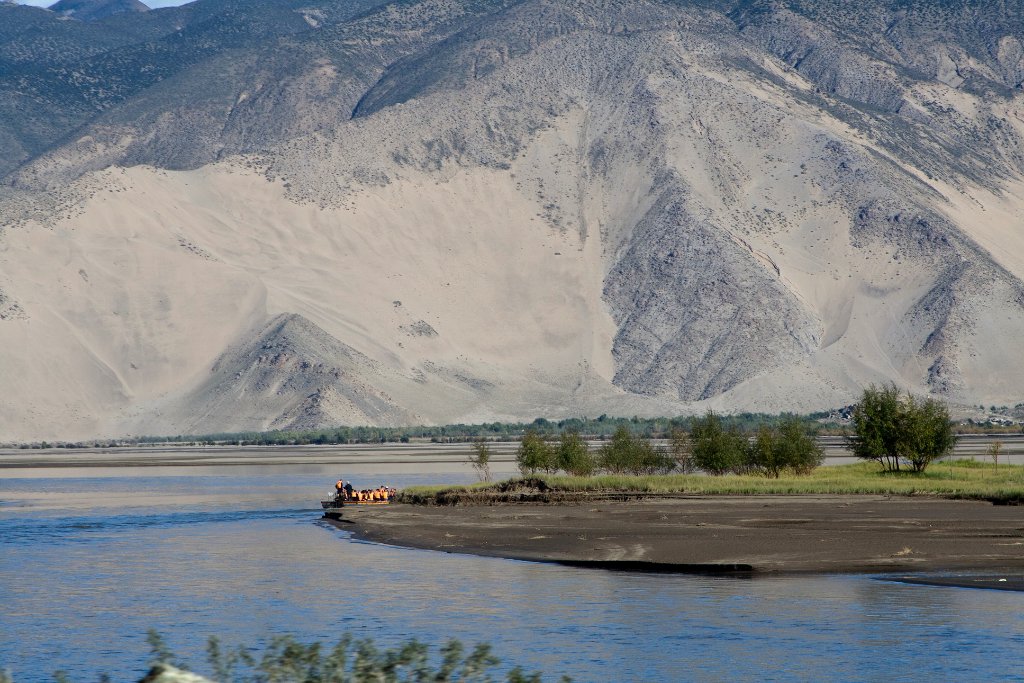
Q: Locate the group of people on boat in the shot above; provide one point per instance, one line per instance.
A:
(382, 494)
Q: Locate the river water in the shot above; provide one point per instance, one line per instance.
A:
(92, 558)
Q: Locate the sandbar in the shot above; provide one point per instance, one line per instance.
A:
(722, 534)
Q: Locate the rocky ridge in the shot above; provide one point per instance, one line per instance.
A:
(512, 208)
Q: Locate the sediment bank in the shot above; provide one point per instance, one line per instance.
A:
(720, 534)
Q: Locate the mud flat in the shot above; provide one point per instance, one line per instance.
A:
(724, 534)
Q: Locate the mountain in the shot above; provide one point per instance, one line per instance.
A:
(497, 209)
(92, 10)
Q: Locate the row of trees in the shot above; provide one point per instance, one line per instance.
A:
(711, 446)
(624, 453)
(890, 427)
(602, 427)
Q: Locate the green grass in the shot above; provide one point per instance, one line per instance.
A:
(962, 479)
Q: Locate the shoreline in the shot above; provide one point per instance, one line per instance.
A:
(178, 455)
(201, 456)
(743, 536)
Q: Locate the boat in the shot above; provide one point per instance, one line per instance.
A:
(333, 506)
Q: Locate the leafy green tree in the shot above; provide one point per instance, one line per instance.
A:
(892, 428)
(480, 459)
(927, 432)
(534, 454)
(876, 426)
(680, 449)
(716, 449)
(616, 455)
(628, 453)
(762, 452)
(574, 456)
(786, 447)
(800, 451)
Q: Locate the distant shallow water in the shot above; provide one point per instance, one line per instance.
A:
(89, 562)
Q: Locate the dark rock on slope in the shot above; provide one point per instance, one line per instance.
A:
(289, 374)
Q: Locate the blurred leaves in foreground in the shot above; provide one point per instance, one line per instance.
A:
(287, 660)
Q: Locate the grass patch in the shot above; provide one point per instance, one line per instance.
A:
(957, 479)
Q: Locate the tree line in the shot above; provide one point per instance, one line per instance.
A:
(602, 427)
(710, 445)
(897, 430)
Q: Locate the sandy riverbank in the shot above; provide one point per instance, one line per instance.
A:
(871, 534)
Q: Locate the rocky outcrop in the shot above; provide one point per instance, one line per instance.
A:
(289, 374)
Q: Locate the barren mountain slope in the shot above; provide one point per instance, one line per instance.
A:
(470, 211)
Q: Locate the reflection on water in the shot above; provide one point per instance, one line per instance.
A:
(87, 564)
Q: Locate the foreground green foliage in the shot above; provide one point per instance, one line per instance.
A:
(893, 429)
(957, 479)
(287, 660)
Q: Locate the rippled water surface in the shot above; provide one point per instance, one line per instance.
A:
(89, 562)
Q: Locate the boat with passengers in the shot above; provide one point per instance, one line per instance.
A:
(345, 495)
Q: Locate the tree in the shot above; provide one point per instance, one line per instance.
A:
(615, 456)
(927, 432)
(534, 454)
(680, 449)
(995, 449)
(480, 459)
(762, 453)
(715, 449)
(876, 426)
(788, 447)
(892, 428)
(574, 456)
(628, 453)
(799, 451)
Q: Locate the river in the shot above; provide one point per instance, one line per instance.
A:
(91, 558)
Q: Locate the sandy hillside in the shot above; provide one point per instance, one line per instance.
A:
(509, 210)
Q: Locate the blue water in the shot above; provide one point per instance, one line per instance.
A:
(89, 563)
